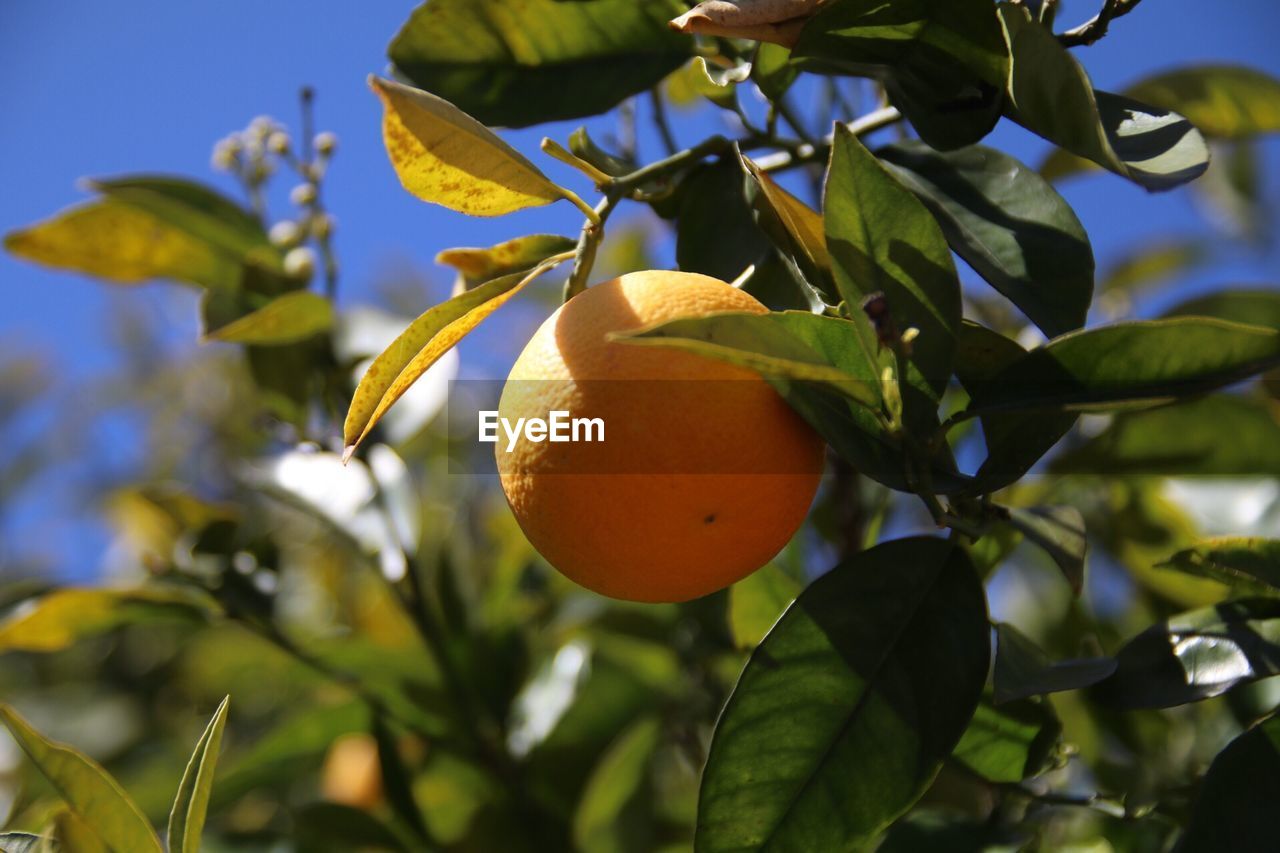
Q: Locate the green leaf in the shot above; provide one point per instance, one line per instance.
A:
(842, 717)
(1023, 669)
(1130, 364)
(772, 71)
(145, 228)
(943, 61)
(1247, 565)
(1015, 440)
(1009, 224)
(1235, 807)
(1222, 435)
(1009, 743)
(1050, 94)
(715, 232)
(1222, 101)
(882, 239)
(476, 266)
(87, 788)
(72, 833)
(795, 229)
(396, 781)
(186, 820)
(286, 319)
(22, 842)
(421, 345)
(1059, 532)
(787, 346)
(332, 826)
(1196, 655)
(617, 782)
(1151, 264)
(446, 157)
(1251, 307)
(64, 617)
(756, 602)
(516, 64)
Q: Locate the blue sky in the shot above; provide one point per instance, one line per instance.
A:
(92, 88)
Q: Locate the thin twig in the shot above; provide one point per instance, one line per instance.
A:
(660, 122)
(1093, 30)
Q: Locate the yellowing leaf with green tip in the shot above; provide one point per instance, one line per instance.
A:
(444, 156)
(418, 347)
(288, 319)
(119, 243)
(88, 790)
(186, 820)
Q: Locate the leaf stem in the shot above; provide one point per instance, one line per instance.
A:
(592, 216)
(557, 151)
(584, 256)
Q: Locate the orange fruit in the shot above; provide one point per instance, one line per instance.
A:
(704, 472)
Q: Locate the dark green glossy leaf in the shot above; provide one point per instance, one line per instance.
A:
(882, 239)
(516, 64)
(1009, 743)
(1196, 655)
(87, 788)
(1059, 532)
(1235, 809)
(1246, 564)
(616, 784)
(756, 602)
(1009, 224)
(943, 62)
(1050, 94)
(1223, 101)
(1023, 669)
(786, 346)
(715, 232)
(842, 716)
(186, 820)
(1015, 440)
(1130, 364)
(1223, 435)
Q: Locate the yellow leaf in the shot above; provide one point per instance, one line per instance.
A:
(802, 222)
(444, 156)
(290, 318)
(476, 266)
(421, 345)
(59, 619)
(120, 243)
(96, 798)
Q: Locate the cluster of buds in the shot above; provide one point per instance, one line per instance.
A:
(256, 153)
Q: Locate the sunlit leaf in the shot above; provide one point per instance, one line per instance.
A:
(1222, 101)
(1059, 532)
(1223, 435)
(842, 718)
(1234, 808)
(287, 319)
(1247, 565)
(476, 266)
(615, 784)
(1260, 307)
(74, 834)
(1023, 669)
(66, 616)
(540, 60)
(1011, 742)
(796, 229)
(1050, 94)
(772, 71)
(882, 239)
(186, 820)
(1196, 655)
(1128, 364)
(785, 346)
(444, 156)
(87, 789)
(1009, 224)
(756, 602)
(422, 344)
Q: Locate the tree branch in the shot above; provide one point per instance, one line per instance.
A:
(1093, 30)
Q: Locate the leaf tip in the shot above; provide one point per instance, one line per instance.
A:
(349, 451)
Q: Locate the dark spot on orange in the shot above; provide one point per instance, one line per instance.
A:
(709, 519)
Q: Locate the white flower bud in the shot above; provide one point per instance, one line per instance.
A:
(261, 126)
(285, 234)
(303, 195)
(300, 263)
(326, 143)
(322, 226)
(278, 142)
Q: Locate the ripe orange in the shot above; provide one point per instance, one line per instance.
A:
(704, 472)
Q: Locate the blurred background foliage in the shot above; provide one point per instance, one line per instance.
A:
(406, 672)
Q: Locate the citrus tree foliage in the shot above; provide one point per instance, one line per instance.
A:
(410, 675)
